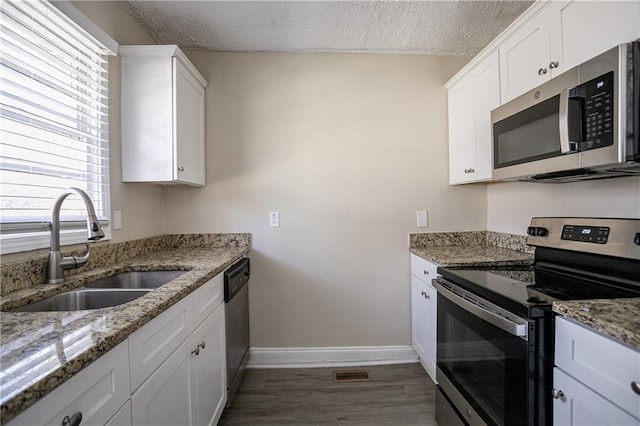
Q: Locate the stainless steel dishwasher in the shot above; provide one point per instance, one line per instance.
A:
(236, 298)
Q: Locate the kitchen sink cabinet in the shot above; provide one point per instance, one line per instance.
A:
(163, 125)
(560, 36)
(97, 392)
(423, 313)
(596, 380)
(471, 100)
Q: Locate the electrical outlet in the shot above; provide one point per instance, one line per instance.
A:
(423, 219)
(274, 219)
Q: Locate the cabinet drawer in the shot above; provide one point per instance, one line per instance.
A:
(207, 298)
(97, 392)
(423, 269)
(580, 405)
(150, 345)
(601, 363)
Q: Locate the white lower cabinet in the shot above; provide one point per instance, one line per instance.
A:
(595, 378)
(165, 397)
(209, 369)
(172, 371)
(423, 313)
(190, 386)
(96, 393)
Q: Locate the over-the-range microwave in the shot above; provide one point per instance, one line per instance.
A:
(582, 124)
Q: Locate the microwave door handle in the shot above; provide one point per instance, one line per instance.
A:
(566, 146)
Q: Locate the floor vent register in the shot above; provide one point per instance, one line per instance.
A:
(346, 376)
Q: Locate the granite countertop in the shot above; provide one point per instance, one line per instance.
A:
(617, 318)
(41, 350)
(472, 255)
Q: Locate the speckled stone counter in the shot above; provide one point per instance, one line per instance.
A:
(41, 350)
(617, 318)
(476, 248)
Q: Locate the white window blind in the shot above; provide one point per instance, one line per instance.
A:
(53, 117)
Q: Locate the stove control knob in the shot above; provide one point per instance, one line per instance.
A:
(531, 230)
(636, 239)
(542, 232)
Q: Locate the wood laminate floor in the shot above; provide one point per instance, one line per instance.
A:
(394, 395)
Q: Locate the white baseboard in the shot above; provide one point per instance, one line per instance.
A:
(342, 356)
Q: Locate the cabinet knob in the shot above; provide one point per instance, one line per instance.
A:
(181, 169)
(472, 170)
(196, 351)
(425, 272)
(426, 296)
(542, 71)
(203, 344)
(557, 394)
(74, 420)
(554, 64)
(422, 293)
(636, 387)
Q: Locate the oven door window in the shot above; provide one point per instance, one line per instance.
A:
(487, 365)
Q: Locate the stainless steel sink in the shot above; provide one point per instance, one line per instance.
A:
(76, 300)
(136, 280)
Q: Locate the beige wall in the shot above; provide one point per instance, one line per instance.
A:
(347, 148)
(140, 203)
(510, 206)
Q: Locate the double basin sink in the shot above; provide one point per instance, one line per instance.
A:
(104, 293)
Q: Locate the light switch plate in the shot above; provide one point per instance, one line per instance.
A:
(422, 219)
(117, 219)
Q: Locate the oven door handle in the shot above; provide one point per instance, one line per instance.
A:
(514, 328)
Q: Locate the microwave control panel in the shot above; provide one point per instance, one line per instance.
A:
(598, 112)
(587, 234)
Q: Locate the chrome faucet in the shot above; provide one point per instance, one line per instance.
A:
(58, 264)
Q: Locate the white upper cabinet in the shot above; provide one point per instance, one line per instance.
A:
(562, 35)
(163, 123)
(524, 58)
(471, 100)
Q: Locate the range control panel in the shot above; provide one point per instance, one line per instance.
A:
(587, 234)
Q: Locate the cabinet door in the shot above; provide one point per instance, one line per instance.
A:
(462, 150)
(432, 331)
(581, 30)
(524, 58)
(189, 127)
(209, 373)
(581, 406)
(486, 86)
(97, 392)
(150, 345)
(422, 324)
(165, 398)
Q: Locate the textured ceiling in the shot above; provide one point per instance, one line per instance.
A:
(460, 28)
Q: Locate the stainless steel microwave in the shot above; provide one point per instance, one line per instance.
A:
(583, 124)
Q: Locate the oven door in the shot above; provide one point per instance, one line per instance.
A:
(483, 359)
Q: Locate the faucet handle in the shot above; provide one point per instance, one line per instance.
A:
(81, 260)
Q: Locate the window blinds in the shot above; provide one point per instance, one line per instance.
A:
(53, 114)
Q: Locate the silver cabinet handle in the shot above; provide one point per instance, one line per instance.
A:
(554, 64)
(74, 420)
(636, 387)
(203, 344)
(557, 394)
(196, 351)
(542, 71)
(181, 169)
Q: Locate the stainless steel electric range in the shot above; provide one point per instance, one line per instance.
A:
(496, 326)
